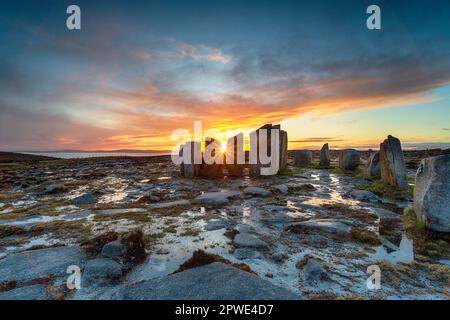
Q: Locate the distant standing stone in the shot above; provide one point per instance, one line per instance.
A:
(373, 169)
(432, 193)
(302, 157)
(87, 198)
(392, 163)
(349, 159)
(325, 156)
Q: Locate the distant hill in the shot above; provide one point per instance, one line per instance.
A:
(6, 157)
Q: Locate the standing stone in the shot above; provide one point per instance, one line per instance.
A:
(325, 156)
(192, 159)
(349, 159)
(180, 154)
(373, 169)
(235, 156)
(214, 170)
(302, 157)
(392, 163)
(283, 149)
(255, 168)
(432, 193)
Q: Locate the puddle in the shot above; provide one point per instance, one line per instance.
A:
(404, 252)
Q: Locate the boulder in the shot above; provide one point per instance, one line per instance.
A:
(349, 159)
(113, 249)
(432, 193)
(392, 163)
(373, 169)
(101, 271)
(85, 199)
(281, 188)
(215, 281)
(325, 156)
(283, 149)
(302, 157)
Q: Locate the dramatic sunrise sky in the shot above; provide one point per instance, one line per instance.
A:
(140, 69)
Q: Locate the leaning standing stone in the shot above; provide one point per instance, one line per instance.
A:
(302, 157)
(432, 193)
(325, 156)
(373, 169)
(349, 159)
(392, 163)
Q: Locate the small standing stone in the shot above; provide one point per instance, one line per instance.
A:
(373, 169)
(349, 159)
(302, 157)
(392, 162)
(325, 156)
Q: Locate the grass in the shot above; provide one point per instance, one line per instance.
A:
(7, 231)
(132, 216)
(170, 229)
(380, 188)
(318, 166)
(359, 214)
(62, 229)
(365, 236)
(290, 171)
(192, 232)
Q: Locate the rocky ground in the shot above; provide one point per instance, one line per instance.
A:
(308, 233)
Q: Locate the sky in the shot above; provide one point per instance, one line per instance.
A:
(138, 70)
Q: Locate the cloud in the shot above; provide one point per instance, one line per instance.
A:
(181, 50)
(321, 139)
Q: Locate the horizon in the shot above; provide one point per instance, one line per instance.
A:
(132, 75)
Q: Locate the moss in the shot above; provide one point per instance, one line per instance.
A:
(170, 229)
(365, 236)
(10, 196)
(94, 246)
(172, 211)
(200, 258)
(426, 242)
(152, 237)
(359, 214)
(380, 188)
(318, 166)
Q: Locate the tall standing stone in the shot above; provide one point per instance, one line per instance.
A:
(373, 169)
(192, 159)
(302, 158)
(283, 149)
(349, 159)
(255, 168)
(325, 156)
(213, 150)
(392, 163)
(235, 156)
(432, 193)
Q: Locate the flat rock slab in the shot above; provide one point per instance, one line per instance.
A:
(215, 281)
(217, 224)
(30, 265)
(257, 191)
(217, 198)
(34, 292)
(327, 225)
(170, 204)
(77, 215)
(248, 241)
(101, 270)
